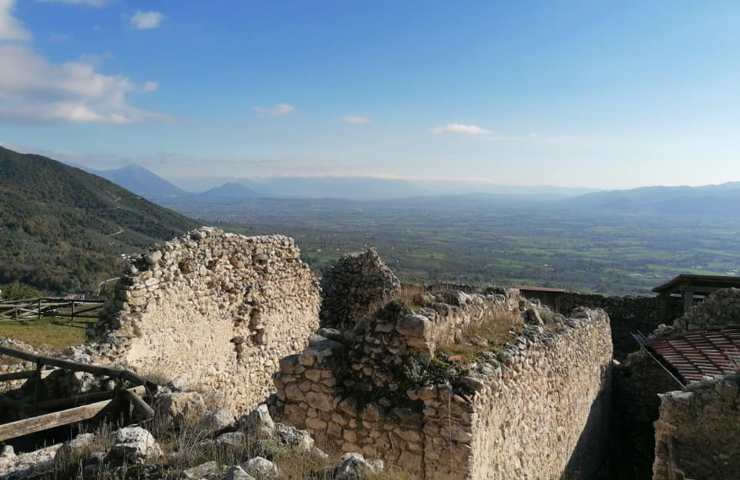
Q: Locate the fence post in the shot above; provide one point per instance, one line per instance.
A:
(73, 311)
(39, 315)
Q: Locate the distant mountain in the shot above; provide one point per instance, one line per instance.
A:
(710, 200)
(373, 188)
(141, 181)
(63, 229)
(227, 192)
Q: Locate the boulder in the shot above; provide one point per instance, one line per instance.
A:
(132, 445)
(181, 407)
(260, 468)
(258, 423)
(79, 446)
(208, 470)
(231, 439)
(237, 473)
(294, 438)
(353, 466)
(217, 421)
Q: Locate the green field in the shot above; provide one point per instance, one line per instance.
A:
(483, 243)
(48, 333)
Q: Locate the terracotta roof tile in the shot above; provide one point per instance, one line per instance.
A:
(699, 353)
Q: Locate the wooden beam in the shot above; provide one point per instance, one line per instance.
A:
(28, 426)
(142, 410)
(77, 367)
(78, 400)
(6, 377)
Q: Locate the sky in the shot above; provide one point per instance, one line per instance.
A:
(601, 94)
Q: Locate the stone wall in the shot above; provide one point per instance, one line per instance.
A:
(548, 413)
(637, 384)
(720, 309)
(354, 288)
(214, 311)
(627, 315)
(698, 433)
(535, 409)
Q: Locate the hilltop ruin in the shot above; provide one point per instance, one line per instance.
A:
(439, 382)
(213, 311)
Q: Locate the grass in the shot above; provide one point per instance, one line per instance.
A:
(489, 335)
(187, 446)
(49, 333)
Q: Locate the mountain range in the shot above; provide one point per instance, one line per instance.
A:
(63, 229)
(710, 200)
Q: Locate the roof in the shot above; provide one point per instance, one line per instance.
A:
(716, 281)
(529, 288)
(699, 353)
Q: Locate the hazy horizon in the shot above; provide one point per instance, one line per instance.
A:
(560, 94)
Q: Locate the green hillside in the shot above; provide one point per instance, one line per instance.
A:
(62, 229)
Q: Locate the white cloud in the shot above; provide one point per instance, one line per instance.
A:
(85, 3)
(146, 20)
(150, 87)
(10, 27)
(461, 129)
(356, 120)
(34, 90)
(278, 110)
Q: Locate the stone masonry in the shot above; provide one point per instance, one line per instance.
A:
(354, 288)
(537, 408)
(698, 433)
(213, 311)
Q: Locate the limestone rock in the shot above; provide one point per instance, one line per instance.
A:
(132, 445)
(259, 422)
(260, 468)
(204, 471)
(237, 473)
(80, 445)
(180, 407)
(231, 439)
(353, 466)
(294, 438)
(217, 420)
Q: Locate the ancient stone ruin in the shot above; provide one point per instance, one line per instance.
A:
(214, 311)
(438, 382)
(356, 287)
(537, 408)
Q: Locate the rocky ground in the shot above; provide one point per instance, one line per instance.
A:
(192, 441)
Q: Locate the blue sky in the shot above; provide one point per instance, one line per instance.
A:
(594, 93)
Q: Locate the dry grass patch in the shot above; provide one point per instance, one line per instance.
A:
(490, 334)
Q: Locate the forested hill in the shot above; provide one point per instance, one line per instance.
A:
(62, 229)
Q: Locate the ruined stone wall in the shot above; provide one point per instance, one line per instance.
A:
(637, 384)
(627, 315)
(214, 311)
(534, 410)
(720, 309)
(547, 414)
(354, 288)
(698, 433)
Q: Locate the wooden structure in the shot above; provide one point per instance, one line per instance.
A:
(548, 296)
(35, 308)
(691, 288)
(124, 401)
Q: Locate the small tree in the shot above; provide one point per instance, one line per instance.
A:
(18, 290)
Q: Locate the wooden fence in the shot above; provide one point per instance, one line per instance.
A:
(36, 308)
(123, 402)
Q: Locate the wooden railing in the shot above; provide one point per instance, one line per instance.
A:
(124, 401)
(36, 308)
